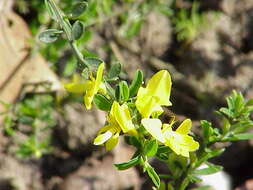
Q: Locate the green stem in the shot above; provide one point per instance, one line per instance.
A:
(67, 28)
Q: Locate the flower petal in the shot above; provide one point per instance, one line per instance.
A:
(185, 127)
(153, 126)
(123, 117)
(112, 142)
(101, 139)
(160, 86)
(179, 143)
(76, 87)
(99, 77)
(95, 85)
(146, 105)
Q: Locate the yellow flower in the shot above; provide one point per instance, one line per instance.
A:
(179, 141)
(119, 119)
(154, 127)
(156, 94)
(89, 87)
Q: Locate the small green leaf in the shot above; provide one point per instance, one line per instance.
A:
(150, 148)
(153, 175)
(110, 90)
(50, 35)
(114, 71)
(79, 9)
(211, 169)
(124, 91)
(249, 102)
(241, 136)
(207, 129)
(226, 112)
(136, 83)
(77, 30)
(129, 164)
(117, 93)
(102, 102)
(194, 179)
(132, 140)
(93, 62)
(241, 126)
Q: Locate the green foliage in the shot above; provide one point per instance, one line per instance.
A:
(152, 174)
(36, 113)
(50, 35)
(136, 83)
(129, 14)
(77, 30)
(114, 72)
(133, 162)
(188, 24)
(150, 148)
(102, 102)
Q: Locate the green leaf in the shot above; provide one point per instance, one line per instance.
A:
(129, 164)
(114, 71)
(102, 102)
(211, 169)
(124, 91)
(249, 102)
(194, 179)
(132, 140)
(207, 129)
(226, 112)
(162, 153)
(79, 9)
(77, 30)
(110, 90)
(136, 83)
(133, 27)
(153, 175)
(50, 10)
(242, 126)
(50, 35)
(242, 136)
(150, 148)
(117, 93)
(93, 62)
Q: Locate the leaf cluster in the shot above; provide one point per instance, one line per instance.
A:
(35, 114)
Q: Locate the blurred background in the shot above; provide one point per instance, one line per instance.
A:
(46, 134)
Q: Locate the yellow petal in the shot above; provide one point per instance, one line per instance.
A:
(185, 127)
(180, 144)
(191, 143)
(146, 105)
(95, 84)
(76, 87)
(99, 77)
(101, 139)
(112, 142)
(123, 117)
(160, 86)
(153, 126)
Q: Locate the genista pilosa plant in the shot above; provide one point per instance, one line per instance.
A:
(133, 111)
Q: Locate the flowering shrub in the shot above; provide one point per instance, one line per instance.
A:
(133, 111)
